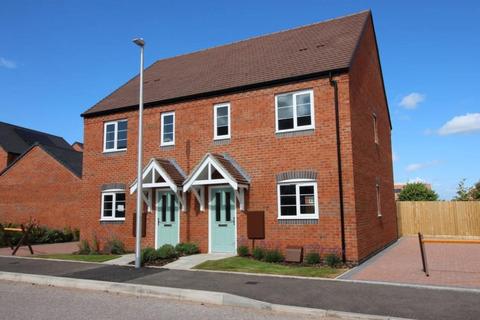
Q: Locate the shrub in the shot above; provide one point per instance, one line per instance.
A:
(148, 255)
(53, 236)
(258, 253)
(332, 260)
(166, 251)
(67, 234)
(114, 246)
(313, 258)
(84, 247)
(76, 234)
(273, 256)
(417, 191)
(243, 251)
(187, 248)
(95, 248)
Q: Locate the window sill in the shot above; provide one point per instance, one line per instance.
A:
(222, 141)
(106, 152)
(293, 133)
(112, 220)
(298, 221)
(167, 146)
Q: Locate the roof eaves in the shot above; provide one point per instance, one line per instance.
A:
(204, 95)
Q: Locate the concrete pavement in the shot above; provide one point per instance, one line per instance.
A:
(188, 262)
(19, 301)
(379, 299)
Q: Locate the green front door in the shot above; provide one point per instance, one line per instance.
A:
(222, 220)
(167, 218)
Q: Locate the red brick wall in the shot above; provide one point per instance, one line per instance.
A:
(3, 159)
(39, 187)
(253, 145)
(371, 161)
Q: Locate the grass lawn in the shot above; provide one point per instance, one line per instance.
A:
(80, 257)
(240, 264)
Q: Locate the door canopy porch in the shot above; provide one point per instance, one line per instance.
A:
(162, 173)
(217, 169)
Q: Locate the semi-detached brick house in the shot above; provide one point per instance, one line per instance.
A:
(294, 124)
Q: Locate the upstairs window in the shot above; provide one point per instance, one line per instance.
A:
(168, 129)
(294, 111)
(221, 119)
(115, 136)
(375, 129)
(297, 200)
(113, 205)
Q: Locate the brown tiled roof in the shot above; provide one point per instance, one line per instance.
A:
(233, 170)
(307, 50)
(172, 170)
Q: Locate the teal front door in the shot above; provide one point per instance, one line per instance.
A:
(222, 220)
(167, 218)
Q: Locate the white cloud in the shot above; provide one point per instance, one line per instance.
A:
(469, 122)
(412, 100)
(394, 156)
(9, 64)
(418, 166)
(416, 180)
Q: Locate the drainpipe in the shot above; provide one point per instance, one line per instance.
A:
(334, 84)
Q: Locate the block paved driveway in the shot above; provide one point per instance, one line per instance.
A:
(367, 298)
(456, 265)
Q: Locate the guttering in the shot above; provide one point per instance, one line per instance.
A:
(334, 84)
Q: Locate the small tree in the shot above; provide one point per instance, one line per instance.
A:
(475, 192)
(463, 192)
(417, 191)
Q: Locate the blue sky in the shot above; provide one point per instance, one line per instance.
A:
(58, 58)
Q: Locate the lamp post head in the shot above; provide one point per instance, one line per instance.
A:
(139, 42)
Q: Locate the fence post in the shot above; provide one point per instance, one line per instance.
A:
(423, 254)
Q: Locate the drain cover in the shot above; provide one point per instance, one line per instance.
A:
(251, 282)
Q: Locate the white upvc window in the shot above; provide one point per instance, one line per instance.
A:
(375, 128)
(294, 111)
(379, 202)
(113, 205)
(115, 135)
(221, 121)
(167, 134)
(297, 200)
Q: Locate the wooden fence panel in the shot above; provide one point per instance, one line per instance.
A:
(439, 218)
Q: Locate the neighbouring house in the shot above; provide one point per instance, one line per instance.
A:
(294, 125)
(398, 187)
(77, 146)
(41, 180)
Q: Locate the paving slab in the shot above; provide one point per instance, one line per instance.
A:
(39, 249)
(365, 298)
(456, 265)
(188, 262)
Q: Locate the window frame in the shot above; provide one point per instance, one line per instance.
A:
(375, 128)
(215, 135)
(295, 118)
(162, 122)
(299, 216)
(113, 193)
(115, 140)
